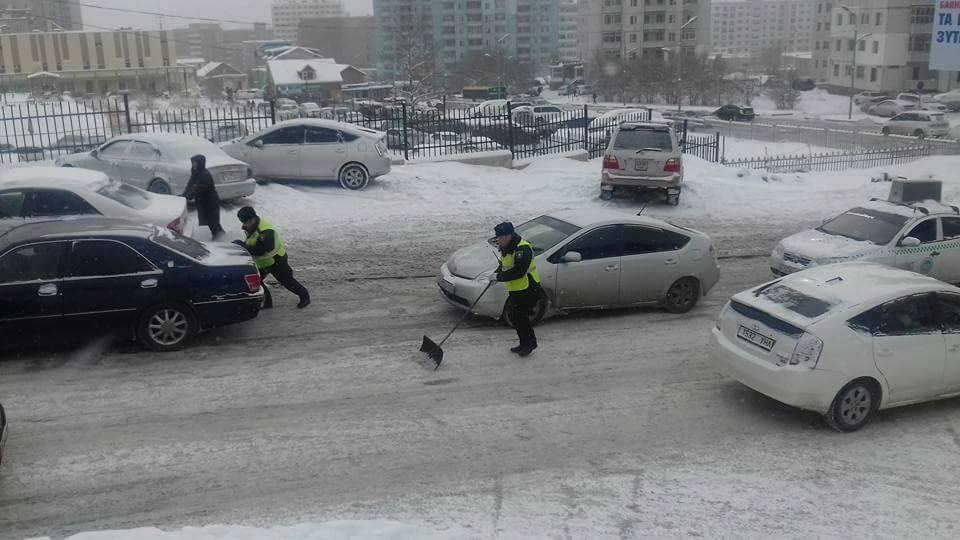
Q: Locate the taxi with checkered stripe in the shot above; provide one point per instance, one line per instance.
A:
(923, 237)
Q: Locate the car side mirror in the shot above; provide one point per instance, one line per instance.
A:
(95, 153)
(910, 242)
(257, 143)
(572, 257)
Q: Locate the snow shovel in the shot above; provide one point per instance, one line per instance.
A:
(434, 350)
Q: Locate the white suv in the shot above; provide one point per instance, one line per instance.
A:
(643, 156)
(923, 237)
(917, 124)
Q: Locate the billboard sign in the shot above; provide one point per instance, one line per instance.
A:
(945, 41)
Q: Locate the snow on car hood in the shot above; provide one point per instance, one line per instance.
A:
(473, 260)
(819, 245)
(221, 254)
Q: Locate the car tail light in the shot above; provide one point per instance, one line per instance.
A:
(807, 352)
(672, 165)
(610, 162)
(176, 225)
(253, 282)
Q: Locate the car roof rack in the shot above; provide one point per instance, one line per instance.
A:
(922, 209)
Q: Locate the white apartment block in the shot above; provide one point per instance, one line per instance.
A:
(567, 38)
(748, 27)
(286, 15)
(631, 28)
(893, 56)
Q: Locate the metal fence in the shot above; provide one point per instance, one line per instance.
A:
(834, 161)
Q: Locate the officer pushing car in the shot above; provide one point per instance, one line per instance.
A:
(263, 243)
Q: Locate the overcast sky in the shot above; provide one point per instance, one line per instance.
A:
(239, 10)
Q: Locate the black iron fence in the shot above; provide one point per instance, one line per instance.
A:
(835, 161)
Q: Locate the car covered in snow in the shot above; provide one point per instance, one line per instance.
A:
(918, 124)
(891, 107)
(924, 102)
(844, 340)
(643, 156)
(315, 149)
(592, 259)
(160, 163)
(32, 193)
(949, 99)
(921, 236)
(112, 275)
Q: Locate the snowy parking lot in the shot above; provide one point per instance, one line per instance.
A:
(617, 427)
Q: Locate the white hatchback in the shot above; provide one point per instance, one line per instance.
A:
(922, 237)
(844, 340)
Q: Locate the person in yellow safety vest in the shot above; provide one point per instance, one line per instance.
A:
(518, 271)
(263, 243)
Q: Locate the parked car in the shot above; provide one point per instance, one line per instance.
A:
(491, 107)
(547, 114)
(414, 139)
(227, 132)
(803, 85)
(643, 157)
(315, 149)
(3, 431)
(844, 340)
(950, 99)
(923, 236)
(891, 107)
(286, 109)
(160, 163)
(592, 259)
(735, 113)
(96, 274)
(917, 124)
(866, 104)
(312, 110)
(32, 153)
(922, 102)
(77, 143)
(7, 148)
(248, 94)
(868, 95)
(600, 128)
(32, 193)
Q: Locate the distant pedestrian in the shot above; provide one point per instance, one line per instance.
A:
(263, 242)
(594, 98)
(202, 190)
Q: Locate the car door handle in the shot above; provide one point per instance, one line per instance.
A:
(48, 289)
(611, 267)
(670, 262)
(148, 283)
(884, 353)
(935, 253)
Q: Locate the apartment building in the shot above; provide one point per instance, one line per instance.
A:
(630, 28)
(348, 39)
(567, 38)
(92, 62)
(213, 43)
(286, 15)
(749, 27)
(47, 15)
(892, 43)
(518, 30)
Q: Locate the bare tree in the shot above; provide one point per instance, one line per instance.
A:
(415, 58)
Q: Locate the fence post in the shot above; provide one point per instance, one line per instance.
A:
(586, 130)
(716, 148)
(406, 155)
(683, 142)
(510, 129)
(126, 111)
(273, 111)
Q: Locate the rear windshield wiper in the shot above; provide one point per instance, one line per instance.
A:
(650, 150)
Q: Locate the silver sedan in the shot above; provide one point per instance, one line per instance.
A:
(592, 259)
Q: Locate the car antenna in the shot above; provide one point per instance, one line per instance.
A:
(642, 208)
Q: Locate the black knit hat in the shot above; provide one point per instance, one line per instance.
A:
(246, 213)
(503, 229)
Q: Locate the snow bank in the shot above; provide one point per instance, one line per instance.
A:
(333, 530)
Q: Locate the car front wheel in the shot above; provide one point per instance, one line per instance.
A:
(682, 295)
(167, 327)
(919, 134)
(885, 130)
(854, 405)
(159, 187)
(539, 311)
(354, 177)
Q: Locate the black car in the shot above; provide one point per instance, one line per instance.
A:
(110, 274)
(735, 113)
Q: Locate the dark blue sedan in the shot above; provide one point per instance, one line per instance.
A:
(114, 275)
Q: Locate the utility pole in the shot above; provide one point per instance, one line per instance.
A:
(679, 61)
(853, 68)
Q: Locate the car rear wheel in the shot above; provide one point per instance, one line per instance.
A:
(682, 295)
(854, 405)
(354, 177)
(919, 134)
(606, 194)
(673, 199)
(167, 327)
(885, 130)
(539, 312)
(159, 187)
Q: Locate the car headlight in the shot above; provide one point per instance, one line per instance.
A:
(830, 260)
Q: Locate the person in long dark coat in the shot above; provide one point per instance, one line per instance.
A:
(203, 191)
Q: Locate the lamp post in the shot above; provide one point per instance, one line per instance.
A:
(853, 69)
(679, 61)
(500, 63)
(623, 71)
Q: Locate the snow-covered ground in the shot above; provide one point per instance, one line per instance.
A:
(334, 530)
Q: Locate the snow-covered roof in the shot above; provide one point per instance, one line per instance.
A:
(278, 53)
(191, 61)
(67, 177)
(288, 71)
(207, 68)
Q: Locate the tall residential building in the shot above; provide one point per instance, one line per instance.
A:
(621, 28)
(523, 31)
(286, 15)
(49, 15)
(892, 58)
(748, 27)
(347, 39)
(200, 40)
(567, 39)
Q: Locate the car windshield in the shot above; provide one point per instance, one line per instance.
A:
(185, 148)
(181, 244)
(126, 195)
(636, 139)
(543, 232)
(794, 300)
(865, 225)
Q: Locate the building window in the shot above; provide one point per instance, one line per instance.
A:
(916, 73)
(852, 19)
(876, 47)
(878, 19)
(839, 44)
(836, 70)
(850, 44)
(860, 70)
(817, 47)
(921, 15)
(839, 19)
(861, 45)
(873, 74)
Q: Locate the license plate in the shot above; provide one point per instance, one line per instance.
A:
(642, 164)
(758, 339)
(446, 286)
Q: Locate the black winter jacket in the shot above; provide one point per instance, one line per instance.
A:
(202, 190)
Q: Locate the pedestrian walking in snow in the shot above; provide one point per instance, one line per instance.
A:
(594, 98)
(202, 190)
(264, 244)
(518, 271)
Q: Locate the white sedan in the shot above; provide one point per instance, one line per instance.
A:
(315, 149)
(52, 192)
(844, 340)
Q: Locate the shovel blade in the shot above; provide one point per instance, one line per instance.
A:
(434, 352)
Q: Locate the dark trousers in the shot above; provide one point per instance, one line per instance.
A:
(216, 231)
(522, 304)
(284, 274)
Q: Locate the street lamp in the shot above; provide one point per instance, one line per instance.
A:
(679, 61)
(500, 62)
(856, 44)
(623, 81)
